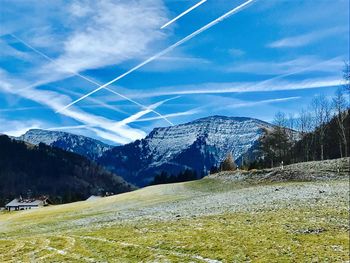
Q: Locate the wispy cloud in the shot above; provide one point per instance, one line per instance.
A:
(97, 34)
(293, 66)
(84, 78)
(17, 128)
(305, 39)
(241, 87)
(112, 33)
(165, 51)
(107, 135)
(53, 100)
(235, 52)
(63, 128)
(21, 109)
(139, 114)
(261, 102)
(172, 115)
(173, 63)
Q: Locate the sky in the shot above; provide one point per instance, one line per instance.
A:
(272, 55)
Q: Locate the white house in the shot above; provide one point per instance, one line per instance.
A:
(24, 204)
(93, 197)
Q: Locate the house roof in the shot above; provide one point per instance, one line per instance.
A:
(25, 202)
(93, 197)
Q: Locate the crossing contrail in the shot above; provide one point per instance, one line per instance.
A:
(184, 13)
(165, 51)
(86, 78)
(138, 115)
(131, 118)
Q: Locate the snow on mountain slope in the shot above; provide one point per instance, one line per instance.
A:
(234, 135)
(196, 145)
(82, 145)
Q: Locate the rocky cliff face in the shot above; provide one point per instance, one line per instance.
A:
(197, 145)
(90, 148)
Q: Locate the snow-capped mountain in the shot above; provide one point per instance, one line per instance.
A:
(88, 147)
(197, 145)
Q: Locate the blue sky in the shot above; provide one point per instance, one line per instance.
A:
(274, 55)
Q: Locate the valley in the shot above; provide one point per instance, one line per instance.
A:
(265, 215)
(173, 131)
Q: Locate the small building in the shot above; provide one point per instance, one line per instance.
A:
(24, 204)
(93, 197)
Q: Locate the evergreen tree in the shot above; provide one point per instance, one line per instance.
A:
(228, 164)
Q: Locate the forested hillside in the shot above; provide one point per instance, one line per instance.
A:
(323, 133)
(45, 170)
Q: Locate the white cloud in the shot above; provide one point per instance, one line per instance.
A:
(172, 63)
(172, 115)
(17, 128)
(96, 34)
(261, 102)
(235, 52)
(305, 39)
(78, 9)
(112, 32)
(241, 87)
(53, 100)
(9, 51)
(167, 50)
(293, 66)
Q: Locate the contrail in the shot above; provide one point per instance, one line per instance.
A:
(68, 127)
(184, 13)
(132, 118)
(146, 108)
(139, 114)
(85, 78)
(177, 114)
(167, 50)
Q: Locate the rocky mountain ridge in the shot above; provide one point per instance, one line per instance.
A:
(79, 144)
(196, 145)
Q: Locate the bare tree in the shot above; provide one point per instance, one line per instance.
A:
(280, 119)
(292, 126)
(305, 126)
(346, 76)
(322, 110)
(280, 135)
(340, 106)
(305, 121)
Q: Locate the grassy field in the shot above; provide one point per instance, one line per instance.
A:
(203, 221)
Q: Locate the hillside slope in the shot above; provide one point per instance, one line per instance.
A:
(45, 170)
(211, 220)
(197, 145)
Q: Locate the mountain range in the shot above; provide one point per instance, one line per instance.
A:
(85, 146)
(198, 145)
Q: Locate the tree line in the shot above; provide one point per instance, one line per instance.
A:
(45, 170)
(166, 178)
(318, 132)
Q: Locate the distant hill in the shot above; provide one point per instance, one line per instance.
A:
(196, 145)
(46, 170)
(79, 144)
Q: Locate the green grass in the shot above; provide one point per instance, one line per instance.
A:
(306, 232)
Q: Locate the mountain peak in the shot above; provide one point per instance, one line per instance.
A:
(80, 144)
(198, 145)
